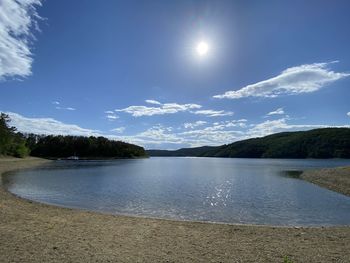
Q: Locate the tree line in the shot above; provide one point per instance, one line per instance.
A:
(16, 144)
(84, 147)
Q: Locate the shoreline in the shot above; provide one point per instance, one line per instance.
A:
(35, 232)
(334, 179)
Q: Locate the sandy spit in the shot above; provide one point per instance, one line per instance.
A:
(33, 232)
(335, 179)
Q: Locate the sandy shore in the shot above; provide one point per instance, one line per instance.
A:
(335, 179)
(32, 232)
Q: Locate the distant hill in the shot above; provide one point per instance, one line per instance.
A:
(197, 151)
(318, 143)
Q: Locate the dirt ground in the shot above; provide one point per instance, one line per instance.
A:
(33, 232)
(336, 179)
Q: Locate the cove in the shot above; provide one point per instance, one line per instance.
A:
(244, 191)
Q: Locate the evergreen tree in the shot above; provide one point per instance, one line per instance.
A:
(11, 143)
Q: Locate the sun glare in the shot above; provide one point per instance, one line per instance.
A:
(202, 48)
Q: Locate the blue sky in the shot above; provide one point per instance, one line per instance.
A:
(130, 70)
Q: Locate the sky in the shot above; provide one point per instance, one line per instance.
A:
(132, 71)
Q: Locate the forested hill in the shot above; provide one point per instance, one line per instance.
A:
(83, 147)
(197, 151)
(13, 143)
(318, 143)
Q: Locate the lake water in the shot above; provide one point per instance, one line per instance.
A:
(249, 191)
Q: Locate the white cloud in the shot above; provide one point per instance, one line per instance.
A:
(295, 80)
(16, 21)
(171, 108)
(216, 134)
(157, 134)
(166, 108)
(189, 125)
(57, 103)
(153, 102)
(118, 130)
(268, 127)
(278, 111)
(348, 114)
(214, 113)
(65, 108)
(111, 117)
(210, 136)
(222, 125)
(235, 123)
(48, 126)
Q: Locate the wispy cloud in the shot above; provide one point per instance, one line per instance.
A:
(348, 114)
(192, 125)
(111, 117)
(210, 136)
(171, 108)
(222, 125)
(118, 130)
(278, 111)
(48, 126)
(65, 108)
(57, 107)
(166, 108)
(153, 102)
(195, 134)
(16, 21)
(233, 123)
(214, 113)
(156, 135)
(295, 80)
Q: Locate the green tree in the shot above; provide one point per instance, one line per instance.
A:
(11, 142)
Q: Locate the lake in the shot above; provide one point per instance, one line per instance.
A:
(247, 191)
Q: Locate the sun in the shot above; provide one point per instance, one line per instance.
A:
(202, 48)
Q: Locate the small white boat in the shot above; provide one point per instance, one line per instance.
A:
(73, 158)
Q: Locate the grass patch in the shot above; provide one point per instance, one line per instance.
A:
(286, 259)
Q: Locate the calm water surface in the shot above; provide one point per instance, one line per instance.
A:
(250, 191)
